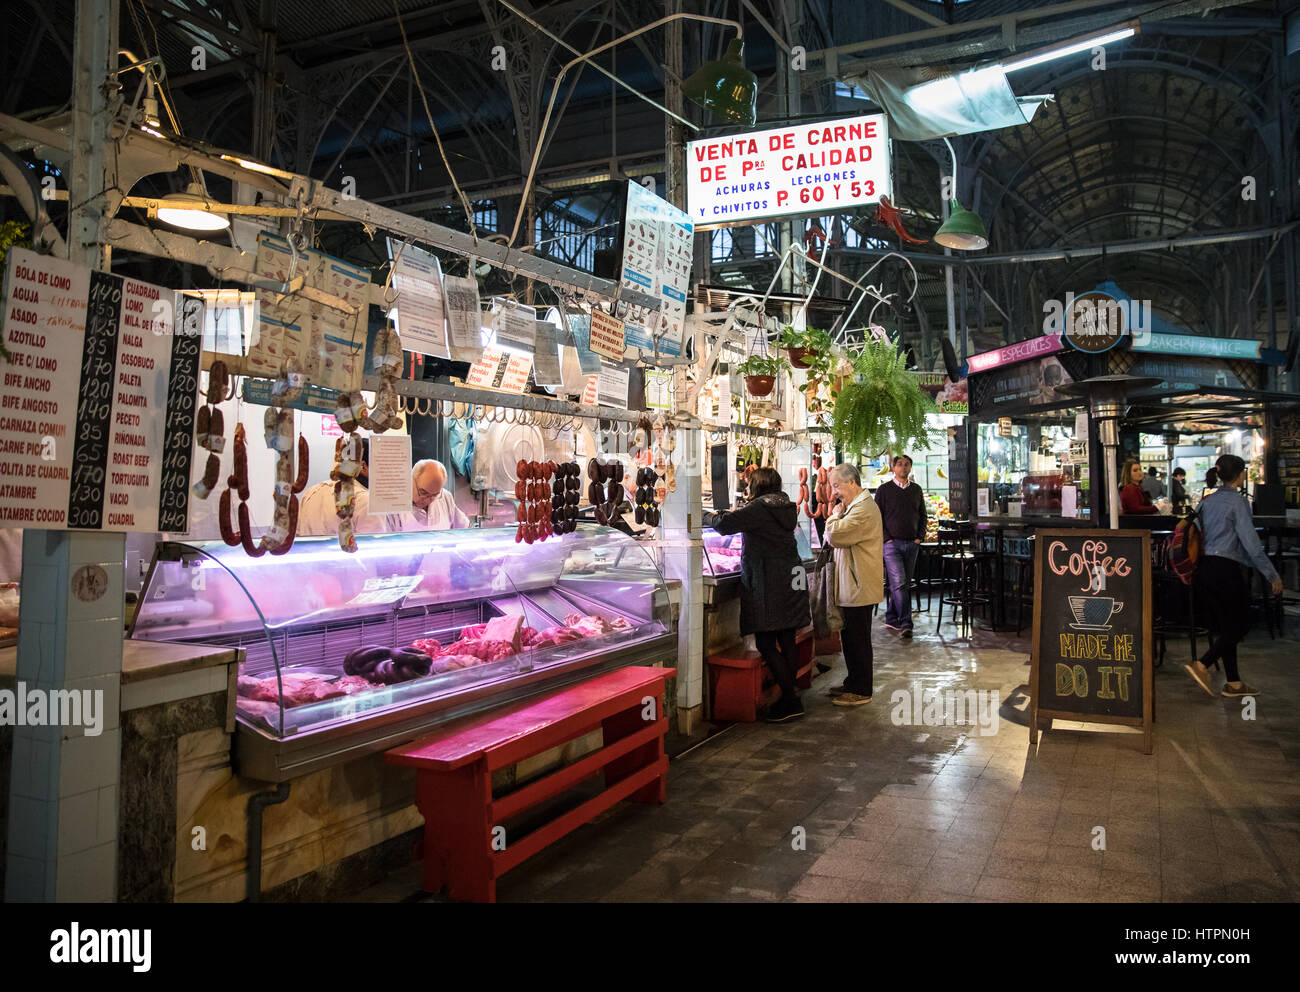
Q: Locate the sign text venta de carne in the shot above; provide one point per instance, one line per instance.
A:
(97, 409)
(1092, 629)
(822, 168)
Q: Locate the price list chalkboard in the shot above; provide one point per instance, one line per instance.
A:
(95, 404)
(958, 473)
(1091, 652)
(182, 388)
(98, 399)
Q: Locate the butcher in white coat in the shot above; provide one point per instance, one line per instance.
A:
(432, 505)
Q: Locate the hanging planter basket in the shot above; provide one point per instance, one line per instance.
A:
(760, 385)
(798, 357)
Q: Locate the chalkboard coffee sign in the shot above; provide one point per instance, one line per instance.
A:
(1092, 629)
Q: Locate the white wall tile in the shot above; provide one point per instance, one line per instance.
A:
(88, 876)
(32, 823)
(87, 763)
(108, 815)
(28, 879)
(78, 822)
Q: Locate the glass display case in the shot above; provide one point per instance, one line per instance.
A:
(722, 558)
(350, 653)
(1025, 465)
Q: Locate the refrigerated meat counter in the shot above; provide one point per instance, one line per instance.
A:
(310, 695)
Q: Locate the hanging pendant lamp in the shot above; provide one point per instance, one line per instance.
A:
(190, 211)
(725, 88)
(962, 230)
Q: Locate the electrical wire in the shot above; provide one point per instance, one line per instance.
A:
(415, 74)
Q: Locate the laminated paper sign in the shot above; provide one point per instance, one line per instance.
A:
(500, 369)
(390, 473)
(97, 410)
(607, 335)
(546, 361)
(658, 242)
(580, 330)
(464, 318)
(515, 325)
(421, 318)
(658, 391)
(611, 387)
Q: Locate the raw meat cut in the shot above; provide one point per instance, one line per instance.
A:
(559, 634)
(301, 688)
(594, 626)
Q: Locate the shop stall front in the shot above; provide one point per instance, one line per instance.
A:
(1030, 456)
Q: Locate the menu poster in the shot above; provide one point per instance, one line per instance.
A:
(982, 502)
(1069, 501)
(500, 369)
(390, 473)
(514, 325)
(1091, 651)
(464, 318)
(611, 387)
(421, 320)
(546, 360)
(98, 402)
(658, 243)
(607, 335)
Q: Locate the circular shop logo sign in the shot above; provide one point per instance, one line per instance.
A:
(1095, 322)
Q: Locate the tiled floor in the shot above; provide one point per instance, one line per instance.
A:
(846, 806)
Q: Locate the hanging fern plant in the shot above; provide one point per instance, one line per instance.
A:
(883, 406)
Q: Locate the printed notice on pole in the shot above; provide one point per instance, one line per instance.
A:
(658, 240)
(500, 369)
(97, 410)
(658, 390)
(606, 335)
(421, 320)
(390, 473)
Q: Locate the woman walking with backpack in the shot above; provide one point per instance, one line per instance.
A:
(1229, 546)
(773, 605)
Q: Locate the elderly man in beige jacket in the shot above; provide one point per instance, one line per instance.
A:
(855, 532)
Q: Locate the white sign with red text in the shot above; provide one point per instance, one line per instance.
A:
(806, 169)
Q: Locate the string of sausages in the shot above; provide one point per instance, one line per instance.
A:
(210, 428)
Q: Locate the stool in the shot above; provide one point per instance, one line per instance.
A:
(925, 579)
(1024, 565)
(966, 595)
(742, 682)
(1167, 589)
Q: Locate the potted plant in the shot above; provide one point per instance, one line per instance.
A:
(882, 405)
(760, 372)
(805, 345)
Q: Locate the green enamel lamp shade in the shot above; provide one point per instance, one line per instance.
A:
(725, 88)
(963, 229)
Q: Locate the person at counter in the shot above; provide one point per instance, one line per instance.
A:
(1152, 486)
(854, 531)
(318, 516)
(902, 514)
(432, 505)
(1178, 491)
(1229, 546)
(772, 605)
(11, 572)
(1133, 498)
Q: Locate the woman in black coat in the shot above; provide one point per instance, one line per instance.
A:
(773, 587)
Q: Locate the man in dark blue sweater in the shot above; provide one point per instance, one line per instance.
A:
(902, 512)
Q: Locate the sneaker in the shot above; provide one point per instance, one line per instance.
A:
(783, 712)
(850, 699)
(1201, 674)
(892, 627)
(1240, 690)
(907, 633)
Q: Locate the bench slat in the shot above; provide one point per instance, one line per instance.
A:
(514, 854)
(555, 783)
(552, 716)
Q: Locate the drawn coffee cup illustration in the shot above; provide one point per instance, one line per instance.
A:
(1093, 612)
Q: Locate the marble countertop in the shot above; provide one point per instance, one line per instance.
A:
(143, 660)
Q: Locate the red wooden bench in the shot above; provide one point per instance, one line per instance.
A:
(463, 847)
(742, 683)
